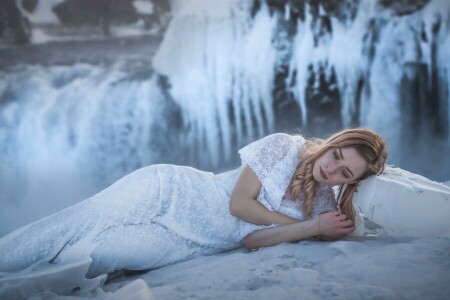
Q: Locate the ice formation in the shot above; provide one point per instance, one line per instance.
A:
(405, 204)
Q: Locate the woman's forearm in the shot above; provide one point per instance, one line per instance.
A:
(281, 234)
(331, 225)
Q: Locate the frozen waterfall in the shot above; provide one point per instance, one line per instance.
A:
(221, 61)
(224, 74)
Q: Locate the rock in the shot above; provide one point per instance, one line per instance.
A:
(14, 26)
(93, 12)
(403, 7)
(29, 5)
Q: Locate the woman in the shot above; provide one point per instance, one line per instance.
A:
(164, 213)
(343, 159)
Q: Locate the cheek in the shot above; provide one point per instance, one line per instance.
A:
(314, 170)
(362, 170)
(316, 165)
(321, 161)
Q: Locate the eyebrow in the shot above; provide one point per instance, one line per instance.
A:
(342, 157)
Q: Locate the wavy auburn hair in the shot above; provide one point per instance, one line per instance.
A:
(366, 142)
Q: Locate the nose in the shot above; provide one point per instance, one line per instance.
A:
(333, 168)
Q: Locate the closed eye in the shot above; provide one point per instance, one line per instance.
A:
(335, 154)
(346, 173)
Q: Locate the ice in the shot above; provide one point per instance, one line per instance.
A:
(43, 13)
(216, 56)
(224, 59)
(66, 281)
(143, 7)
(302, 53)
(405, 204)
(43, 277)
(65, 128)
(59, 125)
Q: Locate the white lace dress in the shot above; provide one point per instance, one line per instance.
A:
(161, 214)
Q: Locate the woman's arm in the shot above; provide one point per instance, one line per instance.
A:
(243, 203)
(330, 226)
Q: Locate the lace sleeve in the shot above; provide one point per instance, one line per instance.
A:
(324, 200)
(273, 159)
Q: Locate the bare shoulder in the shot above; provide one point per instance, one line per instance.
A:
(248, 183)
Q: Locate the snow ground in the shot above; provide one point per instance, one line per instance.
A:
(378, 267)
(383, 267)
(388, 263)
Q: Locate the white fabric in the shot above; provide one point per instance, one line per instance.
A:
(159, 214)
(155, 205)
(274, 160)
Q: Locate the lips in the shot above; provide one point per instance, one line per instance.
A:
(323, 174)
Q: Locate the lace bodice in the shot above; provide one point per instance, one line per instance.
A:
(274, 160)
(324, 200)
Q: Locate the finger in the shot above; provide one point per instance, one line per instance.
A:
(347, 230)
(342, 217)
(346, 223)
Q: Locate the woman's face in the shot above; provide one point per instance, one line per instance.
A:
(338, 166)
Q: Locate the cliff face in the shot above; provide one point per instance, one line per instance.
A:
(14, 26)
(18, 18)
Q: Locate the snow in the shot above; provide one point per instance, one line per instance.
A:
(143, 7)
(408, 258)
(380, 268)
(43, 14)
(371, 268)
(415, 205)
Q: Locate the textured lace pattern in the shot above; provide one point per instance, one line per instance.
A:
(274, 159)
(154, 216)
(323, 201)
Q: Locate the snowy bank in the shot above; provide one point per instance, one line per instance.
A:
(359, 268)
(410, 259)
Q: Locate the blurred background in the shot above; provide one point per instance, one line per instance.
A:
(91, 90)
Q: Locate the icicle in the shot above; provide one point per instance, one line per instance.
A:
(287, 11)
(302, 57)
(223, 59)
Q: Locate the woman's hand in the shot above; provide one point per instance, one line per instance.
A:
(334, 225)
